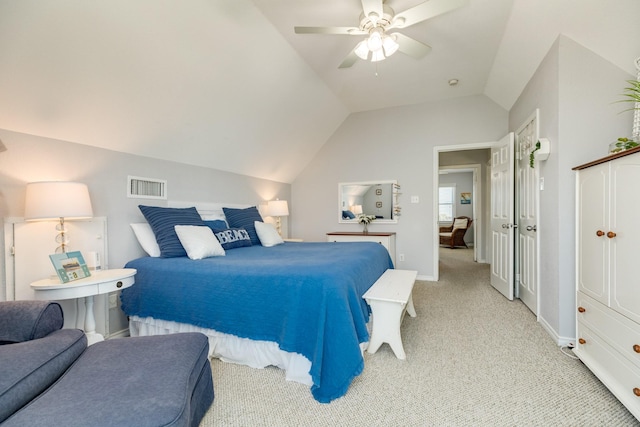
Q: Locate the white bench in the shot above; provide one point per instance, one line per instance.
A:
(390, 298)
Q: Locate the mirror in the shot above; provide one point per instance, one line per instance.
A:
(377, 198)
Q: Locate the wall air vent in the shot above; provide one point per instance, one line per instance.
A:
(146, 188)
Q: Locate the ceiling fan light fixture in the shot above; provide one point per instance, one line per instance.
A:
(377, 55)
(362, 50)
(390, 45)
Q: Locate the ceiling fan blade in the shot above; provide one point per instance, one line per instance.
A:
(411, 46)
(424, 11)
(349, 31)
(351, 59)
(372, 6)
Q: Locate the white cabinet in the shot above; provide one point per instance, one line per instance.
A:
(608, 295)
(388, 240)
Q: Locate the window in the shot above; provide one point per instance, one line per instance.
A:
(447, 207)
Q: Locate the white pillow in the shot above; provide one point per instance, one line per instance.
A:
(199, 241)
(267, 234)
(460, 223)
(146, 238)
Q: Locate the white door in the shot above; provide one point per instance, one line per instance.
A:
(502, 216)
(527, 196)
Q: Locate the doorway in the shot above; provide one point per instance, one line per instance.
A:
(472, 157)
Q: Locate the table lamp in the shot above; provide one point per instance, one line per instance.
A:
(278, 208)
(57, 200)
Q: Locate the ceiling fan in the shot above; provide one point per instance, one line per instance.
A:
(376, 20)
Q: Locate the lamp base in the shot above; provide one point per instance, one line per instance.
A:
(61, 238)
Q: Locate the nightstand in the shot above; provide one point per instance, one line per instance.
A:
(388, 240)
(100, 282)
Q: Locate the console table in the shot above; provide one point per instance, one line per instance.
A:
(388, 240)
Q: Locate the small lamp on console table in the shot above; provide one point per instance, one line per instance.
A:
(278, 208)
(57, 200)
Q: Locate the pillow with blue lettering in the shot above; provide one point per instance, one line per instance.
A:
(163, 222)
(244, 218)
(231, 238)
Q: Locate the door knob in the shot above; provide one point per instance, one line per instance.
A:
(582, 341)
(532, 228)
(611, 234)
(581, 309)
(599, 233)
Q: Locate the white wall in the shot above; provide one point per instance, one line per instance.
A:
(30, 158)
(394, 143)
(575, 90)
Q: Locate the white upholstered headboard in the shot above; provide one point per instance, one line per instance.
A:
(210, 210)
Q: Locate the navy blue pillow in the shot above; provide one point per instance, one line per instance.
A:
(231, 238)
(348, 215)
(244, 218)
(216, 224)
(163, 222)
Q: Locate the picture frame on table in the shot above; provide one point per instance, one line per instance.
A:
(70, 266)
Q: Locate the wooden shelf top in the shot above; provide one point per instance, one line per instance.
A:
(607, 158)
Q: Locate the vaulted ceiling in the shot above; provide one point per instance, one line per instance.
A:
(227, 84)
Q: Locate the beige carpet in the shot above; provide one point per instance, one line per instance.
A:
(473, 359)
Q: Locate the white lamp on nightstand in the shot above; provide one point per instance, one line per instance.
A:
(57, 200)
(278, 208)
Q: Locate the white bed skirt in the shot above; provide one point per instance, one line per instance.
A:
(230, 348)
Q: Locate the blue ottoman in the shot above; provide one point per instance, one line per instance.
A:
(144, 381)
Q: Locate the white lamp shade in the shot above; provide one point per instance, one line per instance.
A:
(390, 45)
(356, 209)
(54, 200)
(278, 208)
(377, 55)
(374, 42)
(362, 50)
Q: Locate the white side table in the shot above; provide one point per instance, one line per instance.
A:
(100, 282)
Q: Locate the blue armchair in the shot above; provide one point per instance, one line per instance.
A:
(34, 351)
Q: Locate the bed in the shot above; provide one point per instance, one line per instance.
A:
(297, 306)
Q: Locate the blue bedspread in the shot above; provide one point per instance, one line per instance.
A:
(307, 297)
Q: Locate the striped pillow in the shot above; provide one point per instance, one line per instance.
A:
(163, 222)
(244, 218)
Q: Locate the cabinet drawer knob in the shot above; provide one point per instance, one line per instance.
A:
(636, 391)
(599, 233)
(636, 348)
(582, 341)
(611, 234)
(582, 309)
(119, 284)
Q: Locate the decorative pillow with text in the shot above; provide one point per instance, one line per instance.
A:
(231, 238)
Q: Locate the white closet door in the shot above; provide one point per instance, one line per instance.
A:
(502, 216)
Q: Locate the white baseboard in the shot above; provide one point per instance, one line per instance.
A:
(426, 278)
(561, 341)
